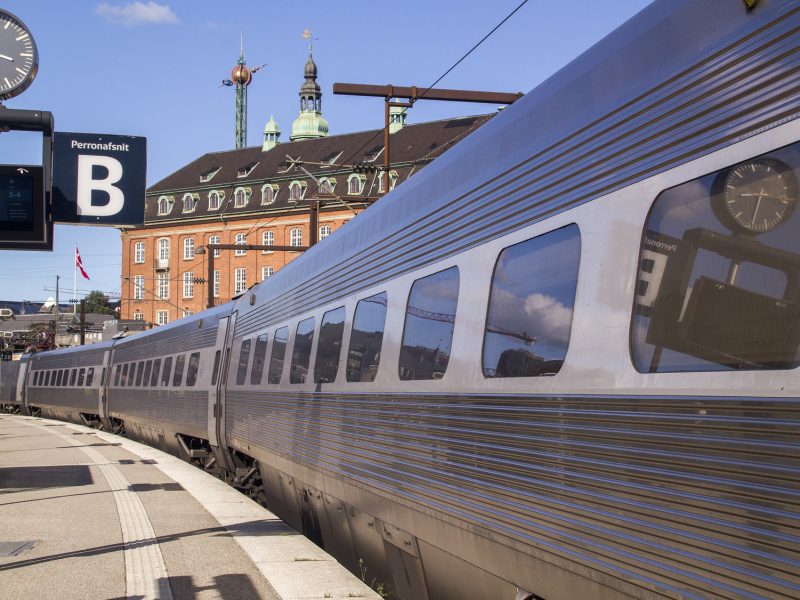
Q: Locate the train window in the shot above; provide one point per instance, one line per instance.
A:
(718, 286)
(259, 358)
(103, 377)
(89, 376)
(215, 371)
(329, 347)
(59, 375)
(301, 353)
(72, 377)
(148, 366)
(165, 375)
(35, 378)
(117, 374)
(47, 378)
(139, 373)
(194, 365)
(244, 358)
(156, 370)
(428, 330)
(531, 301)
(180, 362)
(81, 374)
(366, 338)
(278, 354)
(124, 381)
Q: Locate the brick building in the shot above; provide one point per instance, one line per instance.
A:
(260, 195)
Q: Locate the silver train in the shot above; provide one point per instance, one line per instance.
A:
(559, 363)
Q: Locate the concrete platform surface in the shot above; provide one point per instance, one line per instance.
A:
(87, 514)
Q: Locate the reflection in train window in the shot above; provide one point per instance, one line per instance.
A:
(215, 371)
(59, 375)
(139, 373)
(117, 374)
(278, 354)
(165, 375)
(244, 358)
(65, 377)
(719, 271)
(156, 369)
(47, 378)
(81, 374)
(364, 354)
(259, 358)
(191, 372)
(301, 353)
(72, 377)
(89, 376)
(146, 378)
(428, 330)
(329, 347)
(531, 302)
(180, 362)
(124, 381)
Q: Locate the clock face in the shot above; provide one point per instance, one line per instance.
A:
(757, 195)
(19, 59)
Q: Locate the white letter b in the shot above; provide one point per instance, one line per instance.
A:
(86, 185)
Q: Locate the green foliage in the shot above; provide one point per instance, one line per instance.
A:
(97, 302)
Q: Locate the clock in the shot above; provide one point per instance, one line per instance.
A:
(756, 196)
(19, 59)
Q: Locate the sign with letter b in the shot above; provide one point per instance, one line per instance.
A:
(99, 179)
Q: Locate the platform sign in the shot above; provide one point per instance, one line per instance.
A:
(99, 179)
(24, 223)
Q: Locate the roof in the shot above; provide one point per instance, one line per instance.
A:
(411, 146)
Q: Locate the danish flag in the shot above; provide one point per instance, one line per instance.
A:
(79, 263)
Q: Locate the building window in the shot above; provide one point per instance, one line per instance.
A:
(138, 316)
(205, 177)
(188, 248)
(241, 240)
(325, 231)
(216, 283)
(267, 239)
(269, 193)
(138, 253)
(240, 283)
(214, 200)
(266, 272)
(355, 184)
(296, 190)
(326, 185)
(296, 237)
(188, 285)
(188, 203)
(186, 313)
(246, 170)
(164, 205)
(162, 317)
(240, 197)
(163, 249)
(214, 239)
(163, 285)
(138, 287)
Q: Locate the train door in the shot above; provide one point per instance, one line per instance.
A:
(102, 400)
(21, 395)
(218, 376)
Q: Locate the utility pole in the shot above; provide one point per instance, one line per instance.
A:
(83, 321)
(55, 328)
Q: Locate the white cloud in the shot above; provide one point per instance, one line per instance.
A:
(137, 13)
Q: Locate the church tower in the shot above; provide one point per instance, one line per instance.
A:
(310, 124)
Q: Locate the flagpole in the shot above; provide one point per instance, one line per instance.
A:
(75, 280)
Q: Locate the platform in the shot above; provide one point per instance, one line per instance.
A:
(86, 514)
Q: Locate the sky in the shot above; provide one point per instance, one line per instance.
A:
(154, 68)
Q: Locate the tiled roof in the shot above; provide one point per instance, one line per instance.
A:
(411, 147)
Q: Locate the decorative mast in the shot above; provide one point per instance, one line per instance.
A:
(241, 76)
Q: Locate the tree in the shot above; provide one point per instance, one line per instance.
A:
(97, 302)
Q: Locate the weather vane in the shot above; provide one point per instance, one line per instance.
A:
(307, 36)
(241, 76)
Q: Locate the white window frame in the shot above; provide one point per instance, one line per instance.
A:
(240, 280)
(209, 175)
(361, 180)
(137, 316)
(188, 285)
(186, 313)
(296, 236)
(189, 203)
(138, 287)
(162, 285)
(165, 205)
(214, 239)
(297, 185)
(138, 253)
(163, 249)
(241, 196)
(267, 272)
(325, 231)
(216, 283)
(241, 240)
(217, 196)
(267, 239)
(330, 182)
(245, 171)
(273, 194)
(188, 248)
(162, 317)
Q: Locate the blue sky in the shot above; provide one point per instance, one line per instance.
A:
(153, 68)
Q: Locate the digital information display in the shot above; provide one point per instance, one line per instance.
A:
(24, 222)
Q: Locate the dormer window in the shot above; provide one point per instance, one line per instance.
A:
(189, 202)
(165, 205)
(208, 175)
(327, 185)
(297, 191)
(382, 181)
(246, 170)
(215, 199)
(240, 197)
(355, 184)
(330, 159)
(269, 193)
(372, 154)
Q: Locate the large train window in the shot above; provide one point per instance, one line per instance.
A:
(180, 363)
(259, 358)
(117, 375)
(428, 329)
(244, 358)
(165, 375)
(329, 347)
(301, 353)
(156, 370)
(73, 375)
(278, 354)
(366, 338)
(139, 373)
(89, 376)
(529, 320)
(81, 374)
(194, 366)
(148, 366)
(215, 370)
(719, 271)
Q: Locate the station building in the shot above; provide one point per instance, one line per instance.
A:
(262, 195)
